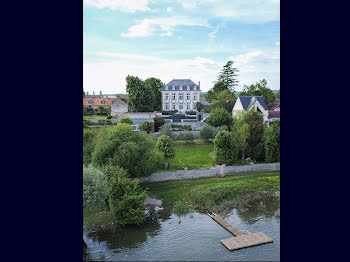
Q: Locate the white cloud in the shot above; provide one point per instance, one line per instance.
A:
(169, 9)
(256, 65)
(161, 26)
(128, 6)
(110, 76)
(277, 43)
(212, 34)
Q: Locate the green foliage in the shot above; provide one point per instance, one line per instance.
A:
(219, 117)
(207, 132)
(95, 189)
(126, 198)
(144, 96)
(186, 136)
(228, 76)
(125, 120)
(224, 148)
(158, 122)
(146, 126)
(255, 143)
(89, 138)
(199, 106)
(155, 86)
(165, 130)
(259, 89)
(140, 96)
(272, 142)
(181, 127)
(169, 112)
(165, 145)
(181, 208)
(224, 99)
(120, 146)
(193, 113)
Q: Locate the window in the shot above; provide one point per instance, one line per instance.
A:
(90, 102)
(173, 106)
(188, 96)
(180, 87)
(173, 96)
(113, 101)
(173, 87)
(194, 96)
(181, 106)
(167, 106)
(195, 88)
(181, 96)
(102, 102)
(188, 87)
(134, 127)
(166, 96)
(188, 106)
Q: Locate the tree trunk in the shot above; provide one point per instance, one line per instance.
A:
(166, 164)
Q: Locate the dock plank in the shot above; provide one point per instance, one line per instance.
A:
(243, 241)
(226, 225)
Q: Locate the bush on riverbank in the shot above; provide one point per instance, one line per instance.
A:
(95, 190)
(272, 142)
(225, 148)
(126, 198)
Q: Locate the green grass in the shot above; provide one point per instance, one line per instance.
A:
(194, 155)
(215, 192)
(94, 219)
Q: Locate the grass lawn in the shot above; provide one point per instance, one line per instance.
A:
(94, 117)
(195, 155)
(215, 192)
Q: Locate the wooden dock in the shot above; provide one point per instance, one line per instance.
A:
(241, 240)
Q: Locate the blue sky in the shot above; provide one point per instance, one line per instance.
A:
(179, 39)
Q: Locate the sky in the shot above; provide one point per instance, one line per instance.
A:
(179, 39)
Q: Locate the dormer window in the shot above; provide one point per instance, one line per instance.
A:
(188, 87)
(166, 88)
(173, 87)
(180, 87)
(195, 88)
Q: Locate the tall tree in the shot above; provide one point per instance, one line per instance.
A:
(224, 99)
(259, 89)
(228, 76)
(140, 98)
(155, 85)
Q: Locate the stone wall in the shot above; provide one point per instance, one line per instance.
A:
(217, 171)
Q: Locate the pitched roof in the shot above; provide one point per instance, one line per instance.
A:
(181, 82)
(274, 114)
(247, 101)
(274, 104)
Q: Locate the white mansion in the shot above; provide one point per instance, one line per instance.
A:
(181, 95)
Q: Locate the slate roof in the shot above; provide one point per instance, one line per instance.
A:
(247, 101)
(181, 82)
(206, 103)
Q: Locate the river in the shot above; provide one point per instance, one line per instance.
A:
(191, 237)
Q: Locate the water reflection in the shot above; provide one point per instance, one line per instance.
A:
(197, 237)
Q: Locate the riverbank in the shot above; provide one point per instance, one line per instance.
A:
(210, 194)
(217, 194)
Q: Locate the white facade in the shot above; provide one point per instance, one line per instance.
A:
(180, 97)
(254, 104)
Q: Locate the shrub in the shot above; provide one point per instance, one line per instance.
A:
(95, 190)
(187, 136)
(255, 144)
(146, 126)
(165, 145)
(219, 117)
(88, 136)
(207, 132)
(181, 127)
(169, 112)
(272, 142)
(158, 122)
(220, 128)
(165, 130)
(119, 145)
(126, 198)
(191, 112)
(224, 148)
(125, 120)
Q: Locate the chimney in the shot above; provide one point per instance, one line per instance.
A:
(100, 93)
(93, 92)
(199, 83)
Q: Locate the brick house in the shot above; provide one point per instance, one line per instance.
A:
(113, 102)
